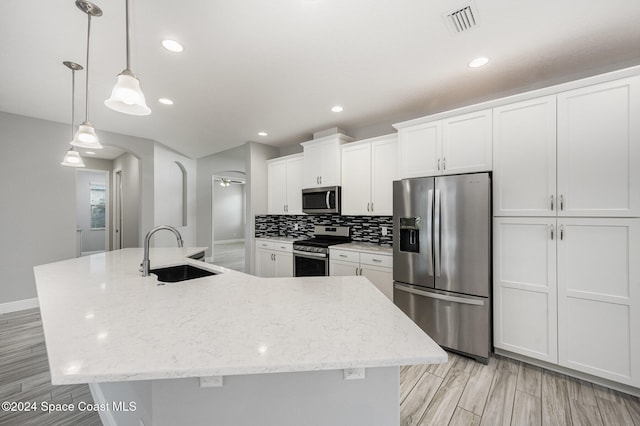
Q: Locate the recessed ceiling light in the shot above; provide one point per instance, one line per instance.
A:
(337, 108)
(262, 133)
(165, 101)
(90, 152)
(478, 62)
(172, 46)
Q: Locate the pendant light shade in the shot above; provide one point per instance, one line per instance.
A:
(126, 96)
(86, 136)
(72, 158)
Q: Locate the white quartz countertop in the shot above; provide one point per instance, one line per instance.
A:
(104, 322)
(364, 247)
(280, 239)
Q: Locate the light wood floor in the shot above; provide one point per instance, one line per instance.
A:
(460, 392)
(507, 392)
(229, 255)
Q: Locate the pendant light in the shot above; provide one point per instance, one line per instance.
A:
(86, 136)
(72, 159)
(126, 96)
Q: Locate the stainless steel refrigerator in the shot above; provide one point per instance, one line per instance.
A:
(442, 258)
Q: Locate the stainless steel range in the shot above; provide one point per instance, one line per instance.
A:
(311, 257)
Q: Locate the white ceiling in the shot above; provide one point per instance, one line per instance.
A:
(280, 65)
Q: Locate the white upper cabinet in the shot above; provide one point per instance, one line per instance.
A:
(524, 158)
(599, 150)
(368, 170)
(460, 144)
(284, 193)
(419, 148)
(466, 143)
(322, 161)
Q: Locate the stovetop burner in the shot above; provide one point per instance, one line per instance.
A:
(324, 236)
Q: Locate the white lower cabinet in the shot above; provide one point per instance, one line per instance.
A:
(377, 268)
(567, 291)
(274, 258)
(525, 308)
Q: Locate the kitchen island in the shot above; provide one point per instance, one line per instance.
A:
(228, 349)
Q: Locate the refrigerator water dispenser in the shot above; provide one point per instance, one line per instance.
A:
(409, 234)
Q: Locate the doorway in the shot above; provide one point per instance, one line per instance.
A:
(92, 212)
(228, 220)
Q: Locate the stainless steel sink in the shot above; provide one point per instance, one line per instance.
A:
(178, 273)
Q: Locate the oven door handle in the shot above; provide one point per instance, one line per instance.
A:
(309, 254)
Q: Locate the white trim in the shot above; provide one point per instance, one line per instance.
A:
(89, 253)
(98, 397)
(569, 372)
(239, 240)
(19, 305)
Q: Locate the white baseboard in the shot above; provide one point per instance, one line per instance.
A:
(240, 240)
(98, 397)
(19, 305)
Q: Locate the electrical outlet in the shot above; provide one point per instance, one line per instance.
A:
(295, 226)
(384, 231)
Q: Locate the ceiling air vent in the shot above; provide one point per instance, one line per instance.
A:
(461, 20)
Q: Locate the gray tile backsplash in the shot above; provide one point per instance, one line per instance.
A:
(363, 228)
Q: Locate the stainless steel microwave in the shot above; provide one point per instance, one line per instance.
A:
(324, 200)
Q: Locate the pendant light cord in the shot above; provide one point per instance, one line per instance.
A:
(86, 91)
(73, 98)
(128, 39)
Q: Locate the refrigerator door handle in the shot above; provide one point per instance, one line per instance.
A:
(436, 233)
(439, 296)
(430, 231)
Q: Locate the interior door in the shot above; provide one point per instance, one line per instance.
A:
(461, 234)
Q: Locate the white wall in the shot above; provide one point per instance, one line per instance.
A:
(37, 207)
(129, 167)
(92, 240)
(169, 197)
(228, 212)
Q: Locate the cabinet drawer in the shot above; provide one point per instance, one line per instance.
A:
(284, 247)
(376, 260)
(345, 255)
(264, 245)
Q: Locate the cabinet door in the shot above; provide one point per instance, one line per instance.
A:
(598, 297)
(419, 148)
(466, 143)
(283, 264)
(524, 158)
(277, 187)
(312, 166)
(384, 170)
(382, 278)
(331, 164)
(525, 287)
(295, 170)
(343, 269)
(599, 150)
(264, 264)
(356, 179)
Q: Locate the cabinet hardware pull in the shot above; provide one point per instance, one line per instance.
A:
(551, 232)
(342, 255)
(444, 163)
(356, 270)
(551, 202)
(371, 207)
(438, 164)
(360, 271)
(376, 260)
(561, 202)
(368, 206)
(561, 232)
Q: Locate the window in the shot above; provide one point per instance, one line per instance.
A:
(97, 200)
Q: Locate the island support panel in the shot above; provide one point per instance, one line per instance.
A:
(309, 398)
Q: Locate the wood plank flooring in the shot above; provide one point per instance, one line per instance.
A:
(507, 392)
(25, 377)
(460, 392)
